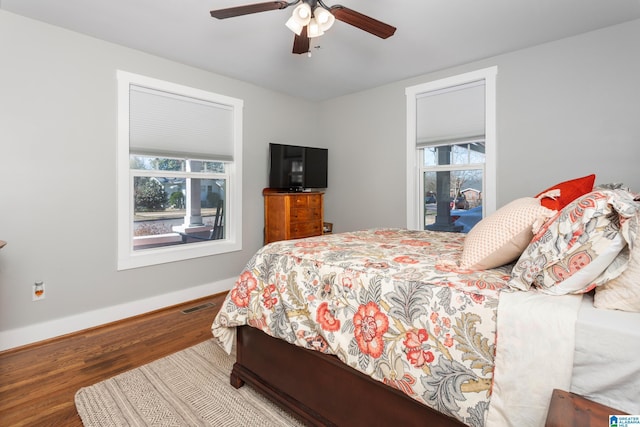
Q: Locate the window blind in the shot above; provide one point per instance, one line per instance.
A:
(452, 115)
(171, 125)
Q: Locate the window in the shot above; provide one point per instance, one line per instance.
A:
(451, 152)
(179, 172)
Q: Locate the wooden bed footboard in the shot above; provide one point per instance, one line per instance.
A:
(321, 390)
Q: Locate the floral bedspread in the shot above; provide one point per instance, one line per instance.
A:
(391, 303)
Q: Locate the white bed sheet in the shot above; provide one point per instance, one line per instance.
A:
(535, 348)
(606, 365)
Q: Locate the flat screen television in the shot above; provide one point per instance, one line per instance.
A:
(297, 168)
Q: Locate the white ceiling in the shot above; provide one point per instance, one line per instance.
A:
(431, 35)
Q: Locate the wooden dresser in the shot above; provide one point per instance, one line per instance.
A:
(292, 215)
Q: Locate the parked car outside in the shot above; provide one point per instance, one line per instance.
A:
(459, 202)
(467, 218)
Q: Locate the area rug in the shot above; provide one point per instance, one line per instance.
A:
(189, 388)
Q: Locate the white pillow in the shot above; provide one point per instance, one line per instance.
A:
(501, 237)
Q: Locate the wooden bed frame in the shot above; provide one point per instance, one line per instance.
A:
(320, 389)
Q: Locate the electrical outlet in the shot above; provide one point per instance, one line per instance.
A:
(37, 293)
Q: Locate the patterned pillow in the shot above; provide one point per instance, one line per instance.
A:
(569, 191)
(623, 292)
(502, 236)
(578, 249)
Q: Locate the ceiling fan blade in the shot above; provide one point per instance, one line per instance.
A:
(301, 42)
(370, 25)
(248, 9)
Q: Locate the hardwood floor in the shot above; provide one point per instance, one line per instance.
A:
(38, 382)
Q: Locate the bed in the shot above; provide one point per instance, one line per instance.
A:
(395, 326)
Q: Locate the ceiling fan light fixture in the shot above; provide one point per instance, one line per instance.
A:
(314, 29)
(302, 14)
(310, 18)
(324, 18)
(294, 25)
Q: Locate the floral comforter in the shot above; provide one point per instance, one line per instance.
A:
(390, 303)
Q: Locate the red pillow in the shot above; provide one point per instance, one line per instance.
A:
(569, 191)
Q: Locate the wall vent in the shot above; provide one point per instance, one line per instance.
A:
(197, 308)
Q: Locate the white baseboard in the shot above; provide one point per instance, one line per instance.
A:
(77, 322)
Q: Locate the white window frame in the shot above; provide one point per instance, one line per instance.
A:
(129, 258)
(414, 196)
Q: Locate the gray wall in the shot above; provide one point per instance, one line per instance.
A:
(58, 170)
(564, 109)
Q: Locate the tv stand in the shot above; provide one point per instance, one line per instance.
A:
(292, 214)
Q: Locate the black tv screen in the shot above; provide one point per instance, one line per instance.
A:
(297, 168)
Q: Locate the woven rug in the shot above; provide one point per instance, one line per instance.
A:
(189, 388)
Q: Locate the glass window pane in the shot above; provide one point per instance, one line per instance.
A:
(454, 154)
(466, 206)
(437, 155)
(460, 154)
(160, 211)
(216, 167)
(201, 166)
(476, 152)
(430, 156)
(156, 163)
(212, 192)
(430, 197)
(461, 189)
(467, 182)
(139, 162)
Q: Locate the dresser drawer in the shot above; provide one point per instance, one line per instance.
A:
(314, 201)
(299, 201)
(306, 229)
(306, 200)
(306, 214)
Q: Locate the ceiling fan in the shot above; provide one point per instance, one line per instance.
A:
(310, 19)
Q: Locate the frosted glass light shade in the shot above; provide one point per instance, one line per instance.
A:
(302, 14)
(294, 25)
(313, 29)
(324, 18)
